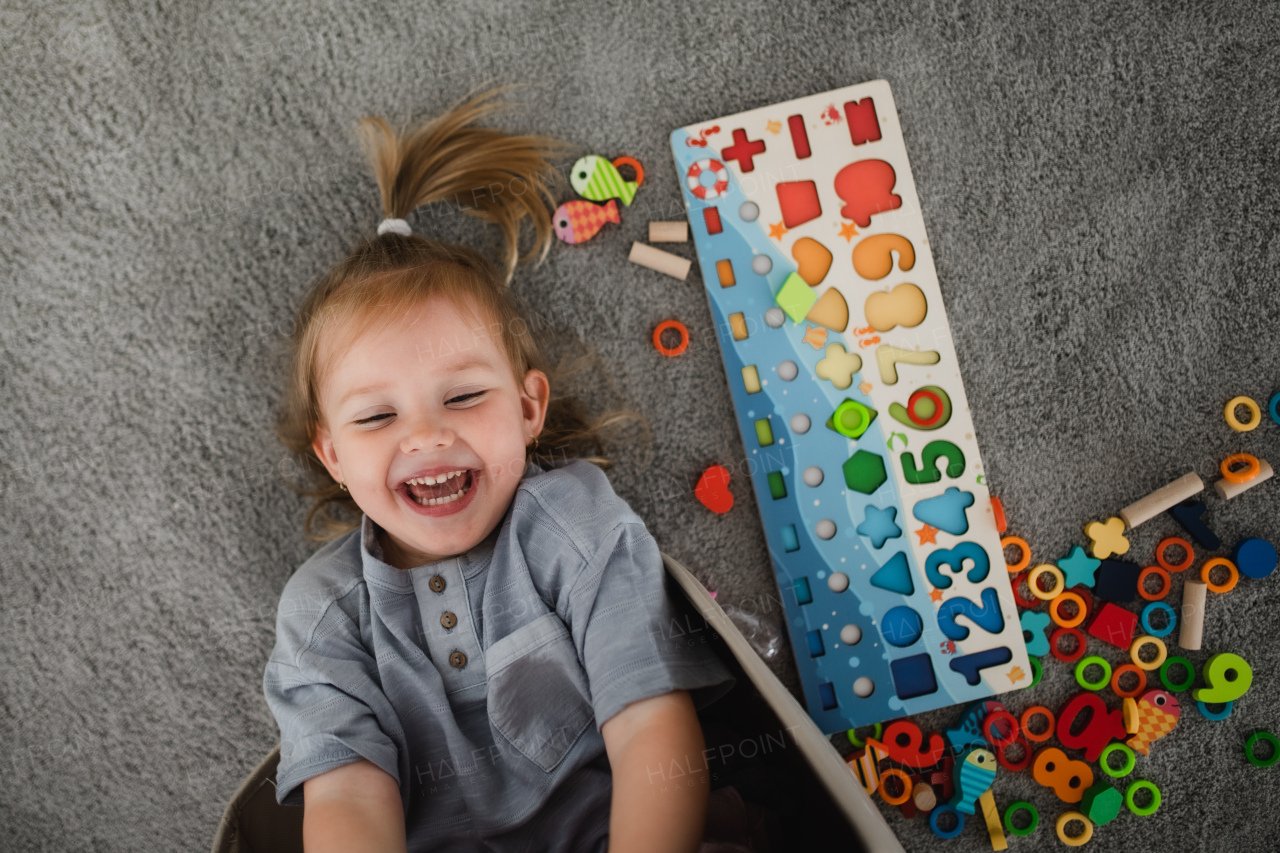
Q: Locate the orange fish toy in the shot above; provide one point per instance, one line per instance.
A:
(579, 221)
(1157, 715)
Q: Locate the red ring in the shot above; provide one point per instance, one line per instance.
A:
(1030, 714)
(1027, 603)
(1061, 655)
(937, 407)
(1174, 540)
(996, 717)
(1121, 670)
(684, 338)
(1146, 573)
(1009, 765)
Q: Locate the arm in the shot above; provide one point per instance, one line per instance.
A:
(660, 777)
(354, 808)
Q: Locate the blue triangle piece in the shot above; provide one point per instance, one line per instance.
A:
(894, 575)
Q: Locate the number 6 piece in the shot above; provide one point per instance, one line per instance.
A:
(849, 400)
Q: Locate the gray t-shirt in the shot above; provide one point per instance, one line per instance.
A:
(480, 682)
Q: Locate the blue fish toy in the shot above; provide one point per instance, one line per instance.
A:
(975, 770)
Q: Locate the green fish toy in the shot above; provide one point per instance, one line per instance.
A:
(597, 179)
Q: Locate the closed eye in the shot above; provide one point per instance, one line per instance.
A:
(459, 398)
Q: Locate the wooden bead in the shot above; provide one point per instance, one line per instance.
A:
(1193, 600)
(924, 797)
(668, 232)
(1228, 490)
(659, 261)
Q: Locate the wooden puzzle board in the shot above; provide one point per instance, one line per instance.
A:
(849, 398)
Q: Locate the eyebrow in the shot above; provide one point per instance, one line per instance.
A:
(465, 364)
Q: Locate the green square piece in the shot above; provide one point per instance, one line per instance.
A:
(795, 297)
(777, 486)
(864, 472)
(852, 419)
(1101, 803)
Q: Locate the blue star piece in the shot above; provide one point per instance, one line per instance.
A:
(878, 525)
(1078, 568)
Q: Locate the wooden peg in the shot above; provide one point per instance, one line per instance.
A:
(1192, 618)
(656, 259)
(668, 232)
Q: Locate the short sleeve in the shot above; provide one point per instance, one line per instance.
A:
(634, 640)
(320, 686)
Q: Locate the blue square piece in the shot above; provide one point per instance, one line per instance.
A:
(1117, 580)
(913, 676)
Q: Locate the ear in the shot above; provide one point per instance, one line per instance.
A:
(322, 444)
(534, 400)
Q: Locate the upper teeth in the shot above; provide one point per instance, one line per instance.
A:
(439, 478)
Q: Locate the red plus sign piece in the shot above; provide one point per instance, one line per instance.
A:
(743, 150)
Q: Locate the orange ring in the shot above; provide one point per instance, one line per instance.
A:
(684, 338)
(1059, 619)
(1146, 573)
(1121, 670)
(1014, 568)
(906, 786)
(997, 509)
(1174, 540)
(633, 163)
(1028, 714)
(1254, 469)
(1210, 565)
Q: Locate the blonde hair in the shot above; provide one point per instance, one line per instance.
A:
(442, 159)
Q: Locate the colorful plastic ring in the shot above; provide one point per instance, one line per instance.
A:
(1253, 740)
(1216, 716)
(1033, 581)
(1145, 619)
(1081, 839)
(1252, 468)
(1125, 669)
(1036, 672)
(671, 352)
(1209, 565)
(1062, 621)
(1165, 583)
(938, 409)
(1186, 561)
(1134, 787)
(941, 809)
(1059, 653)
(902, 776)
(1030, 714)
(859, 744)
(997, 509)
(1162, 652)
(1129, 760)
(1014, 808)
(1000, 717)
(1024, 560)
(1255, 414)
(1274, 408)
(1180, 686)
(1009, 765)
(1027, 603)
(1089, 661)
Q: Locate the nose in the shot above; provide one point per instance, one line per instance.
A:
(425, 432)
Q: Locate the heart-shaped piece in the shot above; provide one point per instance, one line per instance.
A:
(712, 490)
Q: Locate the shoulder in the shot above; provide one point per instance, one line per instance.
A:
(575, 500)
(330, 583)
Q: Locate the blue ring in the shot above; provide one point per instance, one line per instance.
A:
(1146, 619)
(1214, 715)
(1275, 407)
(933, 821)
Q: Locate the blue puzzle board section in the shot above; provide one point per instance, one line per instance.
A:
(885, 549)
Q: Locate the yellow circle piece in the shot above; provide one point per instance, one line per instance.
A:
(1255, 414)
(1033, 581)
(1148, 640)
(1081, 839)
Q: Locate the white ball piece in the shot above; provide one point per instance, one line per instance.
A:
(838, 582)
(761, 264)
(800, 424)
(749, 211)
(775, 317)
(850, 635)
(788, 371)
(826, 528)
(863, 687)
(812, 476)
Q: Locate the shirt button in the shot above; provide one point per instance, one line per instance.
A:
(458, 660)
(448, 620)
(436, 583)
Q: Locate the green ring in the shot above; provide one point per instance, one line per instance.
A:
(1088, 661)
(1269, 738)
(1133, 789)
(1130, 760)
(1164, 674)
(1037, 671)
(859, 744)
(1013, 809)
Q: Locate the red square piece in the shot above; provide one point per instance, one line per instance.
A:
(799, 202)
(1114, 625)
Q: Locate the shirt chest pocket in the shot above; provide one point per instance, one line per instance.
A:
(538, 698)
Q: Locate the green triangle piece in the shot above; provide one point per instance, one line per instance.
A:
(894, 575)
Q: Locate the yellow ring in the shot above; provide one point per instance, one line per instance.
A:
(1083, 838)
(1148, 640)
(1033, 581)
(1254, 412)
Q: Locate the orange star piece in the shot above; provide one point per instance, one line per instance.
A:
(865, 387)
(928, 534)
(848, 232)
(1016, 674)
(815, 336)
(773, 126)
(936, 595)
(776, 230)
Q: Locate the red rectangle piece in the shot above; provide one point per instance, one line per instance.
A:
(863, 124)
(799, 136)
(711, 216)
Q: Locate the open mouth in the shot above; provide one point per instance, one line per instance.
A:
(454, 488)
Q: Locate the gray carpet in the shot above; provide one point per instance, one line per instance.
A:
(1099, 185)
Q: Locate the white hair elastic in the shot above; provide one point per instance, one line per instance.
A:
(397, 225)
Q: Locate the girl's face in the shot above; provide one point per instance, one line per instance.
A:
(432, 396)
